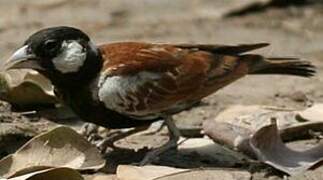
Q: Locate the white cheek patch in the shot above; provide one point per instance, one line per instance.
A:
(71, 58)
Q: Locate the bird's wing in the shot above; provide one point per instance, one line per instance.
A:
(141, 79)
(224, 49)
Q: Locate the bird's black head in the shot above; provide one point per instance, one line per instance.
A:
(62, 54)
(47, 43)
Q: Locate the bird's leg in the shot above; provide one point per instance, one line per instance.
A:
(174, 136)
(155, 131)
(90, 131)
(108, 142)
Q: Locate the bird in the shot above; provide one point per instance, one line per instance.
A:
(133, 84)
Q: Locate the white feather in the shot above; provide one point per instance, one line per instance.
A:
(71, 58)
(113, 91)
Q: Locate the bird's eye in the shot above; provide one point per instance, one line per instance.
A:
(51, 45)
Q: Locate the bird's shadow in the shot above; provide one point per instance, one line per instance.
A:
(171, 158)
(177, 159)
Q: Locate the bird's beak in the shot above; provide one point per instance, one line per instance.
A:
(21, 59)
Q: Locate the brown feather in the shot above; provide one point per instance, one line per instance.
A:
(186, 74)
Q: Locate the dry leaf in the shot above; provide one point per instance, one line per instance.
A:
(235, 128)
(14, 135)
(26, 87)
(168, 173)
(125, 172)
(229, 135)
(51, 174)
(208, 174)
(314, 113)
(300, 131)
(267, 146)
(100, 176)
(200, 146)
(206, 149)
(316, 174)
(60, 147)
(270, 149)
(253, 117)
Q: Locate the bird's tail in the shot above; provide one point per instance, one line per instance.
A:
(284, 66)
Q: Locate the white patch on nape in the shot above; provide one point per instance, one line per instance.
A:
(116, 91)
(71, 58)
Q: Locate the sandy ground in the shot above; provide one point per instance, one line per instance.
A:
(292, 31)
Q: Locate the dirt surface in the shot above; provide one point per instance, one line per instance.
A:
(292, 31)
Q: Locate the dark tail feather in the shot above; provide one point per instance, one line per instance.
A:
(283, 66)
(225, 49)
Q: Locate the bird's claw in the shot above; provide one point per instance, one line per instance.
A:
(153, 154)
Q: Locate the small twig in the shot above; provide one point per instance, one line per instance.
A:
(28, 113)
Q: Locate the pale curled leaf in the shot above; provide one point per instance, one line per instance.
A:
(51, 174)
(248, 129)
(60, 147)
(236, 123)
(270, 149)
(246, 120)
(25, 87)
(267, 146)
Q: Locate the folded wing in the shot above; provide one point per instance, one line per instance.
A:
(145, 80)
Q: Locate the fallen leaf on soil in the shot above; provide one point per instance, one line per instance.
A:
(205, 149)
(254, 116)
(14, 135)
(234, 126)
(314, 113)
(167, 173)
(266, 145)
(60, 147)
(51, 174)
(234, 137)
(26, 87)
(250, 129)
(315, 174)
(127, 172)
(100, 176)
(194, 144)
(206, 174)
(270, 149)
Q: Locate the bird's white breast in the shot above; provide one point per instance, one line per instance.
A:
(117, 92)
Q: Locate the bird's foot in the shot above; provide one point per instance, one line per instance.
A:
(108, 142)
(89, 131)
(155, 153)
